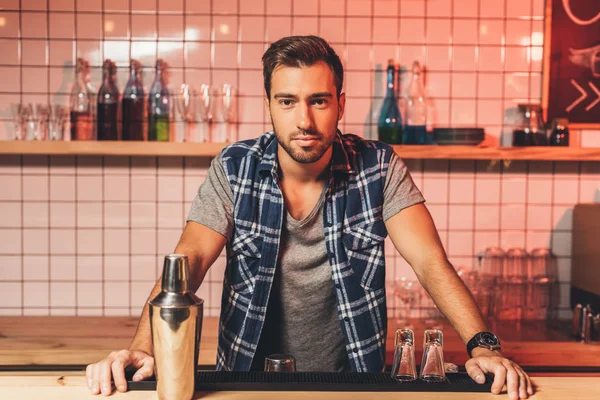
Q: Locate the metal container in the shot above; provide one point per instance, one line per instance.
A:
(176, 322)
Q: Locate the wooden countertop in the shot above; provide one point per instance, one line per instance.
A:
(58, 385)
(82, 340)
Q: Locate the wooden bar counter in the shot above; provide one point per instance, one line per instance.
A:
(44, 357)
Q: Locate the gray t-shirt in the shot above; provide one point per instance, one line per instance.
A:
(302, 317)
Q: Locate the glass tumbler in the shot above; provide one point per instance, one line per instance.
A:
(404, 368)
(432, 365)
(280, 363)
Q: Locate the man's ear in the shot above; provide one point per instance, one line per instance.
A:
(267, 108)
(341, 105)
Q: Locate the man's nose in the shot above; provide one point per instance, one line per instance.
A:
(304, 119)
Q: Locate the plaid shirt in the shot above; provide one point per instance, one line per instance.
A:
(354, 235)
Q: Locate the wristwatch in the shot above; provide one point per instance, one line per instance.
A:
(486, 340)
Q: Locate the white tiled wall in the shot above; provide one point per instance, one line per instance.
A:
(86, 235)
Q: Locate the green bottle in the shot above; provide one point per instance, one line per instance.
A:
(159, 107)
(389, 125)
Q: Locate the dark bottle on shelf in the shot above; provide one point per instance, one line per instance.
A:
(81, 104)
(133, 104)
(560, 132)
(159, 106)
(389, 125)
(108, 104)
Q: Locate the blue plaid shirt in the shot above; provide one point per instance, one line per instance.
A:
(354, 235)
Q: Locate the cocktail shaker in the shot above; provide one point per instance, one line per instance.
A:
(175, 322)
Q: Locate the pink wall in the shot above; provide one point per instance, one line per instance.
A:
(86, 235)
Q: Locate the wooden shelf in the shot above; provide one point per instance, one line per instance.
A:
(212, 149)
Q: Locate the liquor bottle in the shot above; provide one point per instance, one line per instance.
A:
(389, 126)
(108, 104)
(159, 107)
(133, 104)
(415, 131)
(82, 104)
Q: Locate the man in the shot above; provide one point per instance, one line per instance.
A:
(304, 211)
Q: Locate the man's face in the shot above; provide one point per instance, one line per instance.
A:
(304, 110)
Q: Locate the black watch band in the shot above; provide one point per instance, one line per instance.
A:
(486, 340)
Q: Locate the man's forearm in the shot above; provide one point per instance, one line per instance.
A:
(142, 339)
(453, 299)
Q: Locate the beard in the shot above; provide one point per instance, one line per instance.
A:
(305, 155)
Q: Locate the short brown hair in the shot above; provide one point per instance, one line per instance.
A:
(301, 51)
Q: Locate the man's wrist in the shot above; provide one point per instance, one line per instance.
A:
(483, 352)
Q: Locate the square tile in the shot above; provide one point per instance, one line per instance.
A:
(116, 188)
(251, 55)
(11, 242)
(10, 215)
(439, 8)
(62, 268)
(306, 7)
(512, 217)
(538, 239)
(539, 217)
(116, 26)
(91, 51)
(62, 294)
(566, 192)
(89, 241)
(89, 26)
(491, 59)
(518, 9)
(385, 30)
(15, 264)
(33, 24)
(167, 240)
(465, 8)
(62, 188)
(279, 7)
(11, 294)
(35, 214)
(89, 215)
(562, 217)
(143, 215)
(491, 32)
(332, 7)
(36, 294)
(11, 27)
(116, 241)
(62, 241)
(174, 6)
(143, 27)
(490, 86)
(357, 111)
(539, 191)
(357, 84)
(435, 190)
(517, 59)
(171, 27)
(510, 239)
(142, 267)
(412, 30)
(225, 55)
(589, 191)
(513, 190)
(464, 58)
(33, 52)
(89, 5)
(89, 268)
(463, 112)
(464, 85)
(305, 26)
(356, 28)
(89, 188)
(33, 5)
(487, 191)
(438, 59)
(461, 216)
(143, 241)
(89, 294)
(252, 110)
(116, 268)
(115, 5)
(140, 292)
(460, 243)
(170, 215)
(116, 215)
(462, 191)
(118, 52)
(35, 268)
(116, 294)
(10, 78)
(332, 29)
(518, 32)
(492, 8)
(358, 7)
(465, 31)
(487, 217)
(439, 31)
(252, 28)
(35, 187)
(252, 7)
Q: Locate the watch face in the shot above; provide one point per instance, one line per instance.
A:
(488, 339)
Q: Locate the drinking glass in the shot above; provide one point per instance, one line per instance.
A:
(280, 363)
(20, 115)
(432, 366)
(403, 368)
(205, 104)
(56, 123)
(225, 115)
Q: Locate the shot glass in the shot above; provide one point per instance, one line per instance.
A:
(404, 369)
(432, 366)
(280, 363)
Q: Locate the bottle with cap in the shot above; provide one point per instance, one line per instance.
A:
(175, 323)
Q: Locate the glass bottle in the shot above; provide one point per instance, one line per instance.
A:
(133, 104)
(560, 132)
(81, 104)
(108, 104)
(389, 126)
(415, 131)
(159, 106)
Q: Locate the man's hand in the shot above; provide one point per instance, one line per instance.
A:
(485, 361)
(99, 374)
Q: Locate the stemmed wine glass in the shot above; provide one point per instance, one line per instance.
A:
(205, 100)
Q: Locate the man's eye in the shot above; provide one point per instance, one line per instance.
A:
(285, 103)
(320, 102)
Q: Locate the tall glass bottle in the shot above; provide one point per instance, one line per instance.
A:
(81, 104)
(108, 104)
(389, 126)
(133, 104)
(415, 131)
(159, 106)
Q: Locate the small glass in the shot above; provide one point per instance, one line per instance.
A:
(404, 368)
(56, 125)
(280, 363)
(205, 104)
(20, 115)
(432, 366)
